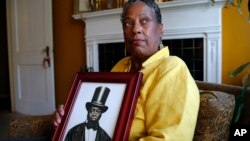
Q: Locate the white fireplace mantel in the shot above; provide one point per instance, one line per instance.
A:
(181, 19)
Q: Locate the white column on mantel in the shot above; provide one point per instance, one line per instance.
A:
(181, 19)
(213, 54)
(92, 55)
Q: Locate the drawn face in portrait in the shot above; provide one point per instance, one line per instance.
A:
(94, 114)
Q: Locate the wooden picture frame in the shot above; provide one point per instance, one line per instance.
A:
(120, 101)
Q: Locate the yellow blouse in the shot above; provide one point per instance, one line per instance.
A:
(167, 107)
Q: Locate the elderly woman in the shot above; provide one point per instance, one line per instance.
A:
(168, 104)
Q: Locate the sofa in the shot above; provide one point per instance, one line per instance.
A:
(213, 123)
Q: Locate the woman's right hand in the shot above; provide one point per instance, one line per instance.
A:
(58, 115)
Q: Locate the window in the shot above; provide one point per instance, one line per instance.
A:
(191, 51)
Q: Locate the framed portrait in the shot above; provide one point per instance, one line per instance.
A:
(81, 6)
(100, 105)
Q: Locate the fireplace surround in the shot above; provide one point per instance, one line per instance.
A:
(182, 19)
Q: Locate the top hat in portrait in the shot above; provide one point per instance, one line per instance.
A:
(99, 98)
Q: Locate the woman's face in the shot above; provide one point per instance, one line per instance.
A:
(141, 31)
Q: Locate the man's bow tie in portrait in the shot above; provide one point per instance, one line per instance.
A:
(93, 126)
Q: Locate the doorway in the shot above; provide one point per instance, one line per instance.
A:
(5, 102)
(30, 53)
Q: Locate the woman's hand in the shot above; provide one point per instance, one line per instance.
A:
(58, 115)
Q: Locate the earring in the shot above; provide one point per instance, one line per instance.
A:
(161, 45)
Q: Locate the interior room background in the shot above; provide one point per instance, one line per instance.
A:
(70, 53)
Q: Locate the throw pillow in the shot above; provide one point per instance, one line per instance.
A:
(215, 116)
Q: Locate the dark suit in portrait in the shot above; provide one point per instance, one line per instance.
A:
(77, 133)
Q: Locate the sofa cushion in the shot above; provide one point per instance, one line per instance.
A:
(31, 126)
(215, 116)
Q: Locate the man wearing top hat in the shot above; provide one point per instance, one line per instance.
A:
(90, 129)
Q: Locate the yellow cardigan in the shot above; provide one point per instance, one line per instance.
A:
(167, 107)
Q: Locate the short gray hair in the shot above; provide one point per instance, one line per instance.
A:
(150, 3)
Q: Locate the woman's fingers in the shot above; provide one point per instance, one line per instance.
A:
(60, 110)
(58, 115)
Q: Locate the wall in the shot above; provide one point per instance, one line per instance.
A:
(235, 42)
(69, 50)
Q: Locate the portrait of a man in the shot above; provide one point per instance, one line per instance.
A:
(90, 129)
